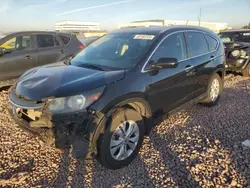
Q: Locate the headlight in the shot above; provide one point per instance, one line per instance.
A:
(235, 53)
(243, 53)
(76, 102)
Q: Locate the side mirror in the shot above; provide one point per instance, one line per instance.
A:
(165, 63)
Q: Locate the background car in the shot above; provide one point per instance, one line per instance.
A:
(237, 50)
(25, 50)
(111, 94)
(88, 40)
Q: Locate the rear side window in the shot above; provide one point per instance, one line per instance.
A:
(173, 47)
(212, 43)
(44, 41)
(197, 44)
(64, 39)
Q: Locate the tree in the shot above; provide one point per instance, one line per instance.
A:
(246, 26)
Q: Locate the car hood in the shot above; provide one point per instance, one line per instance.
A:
(59, 80)
(233, 45)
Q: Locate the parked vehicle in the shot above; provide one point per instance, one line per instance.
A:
(112, 93)
(237, 49)
(24, 50)
(88, 40)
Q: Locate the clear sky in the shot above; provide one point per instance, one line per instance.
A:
(42, 14)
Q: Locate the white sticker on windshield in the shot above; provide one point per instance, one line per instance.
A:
(144, 37)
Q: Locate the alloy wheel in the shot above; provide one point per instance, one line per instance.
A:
(215, 90)
(124, 140)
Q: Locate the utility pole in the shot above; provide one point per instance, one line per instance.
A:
(199, 17)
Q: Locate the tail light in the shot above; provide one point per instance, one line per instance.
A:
(81, 47)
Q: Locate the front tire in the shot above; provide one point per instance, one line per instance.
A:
(122, 139)
(215, 88)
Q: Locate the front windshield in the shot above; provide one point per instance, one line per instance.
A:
(114, 51)
(235, 37)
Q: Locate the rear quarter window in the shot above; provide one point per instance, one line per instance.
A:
(212, 43)
(64, 39)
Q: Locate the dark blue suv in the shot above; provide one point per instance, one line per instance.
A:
(103, 101)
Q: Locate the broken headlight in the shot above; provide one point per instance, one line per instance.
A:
(243, 53)
(76, 102)
(235, 53)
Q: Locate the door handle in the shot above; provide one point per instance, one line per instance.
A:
(212, 57)
(63, 51)
(28, 57)
(189, 68)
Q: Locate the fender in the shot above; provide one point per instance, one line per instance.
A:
(222, 70)
(126, 99)
(110, 109)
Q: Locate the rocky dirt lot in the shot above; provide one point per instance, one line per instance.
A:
(198, 147)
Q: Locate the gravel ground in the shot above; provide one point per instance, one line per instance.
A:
(197, 147)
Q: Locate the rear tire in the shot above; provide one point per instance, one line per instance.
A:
(116, 149)
(246, 71)
(215, 88)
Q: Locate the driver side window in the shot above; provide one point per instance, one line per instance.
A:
(17, 43)
(9, 44)
(173, 46)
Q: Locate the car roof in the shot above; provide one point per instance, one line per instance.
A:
(236, 30)
(37, 32)
(158, 30)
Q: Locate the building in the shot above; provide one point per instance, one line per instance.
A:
(144, 23)
(214, 26)
(77, 27)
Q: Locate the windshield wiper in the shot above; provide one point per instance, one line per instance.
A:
(91, 66)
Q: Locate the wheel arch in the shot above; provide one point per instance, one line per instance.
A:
(220, 72)
(138, 103)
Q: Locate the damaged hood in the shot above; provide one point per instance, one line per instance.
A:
(59, 80)
(236, 45)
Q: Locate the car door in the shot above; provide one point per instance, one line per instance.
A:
(202, 58)
(48, 49)
(171, 87)
(18, 57)
(69, 49)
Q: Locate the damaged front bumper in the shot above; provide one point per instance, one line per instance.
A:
(63, 131)
(237, 64)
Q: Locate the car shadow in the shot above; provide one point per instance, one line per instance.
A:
(63, 171)
(211, 138)
(25, 168)
(183, 149)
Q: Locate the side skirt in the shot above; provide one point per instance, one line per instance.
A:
(184, 106)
